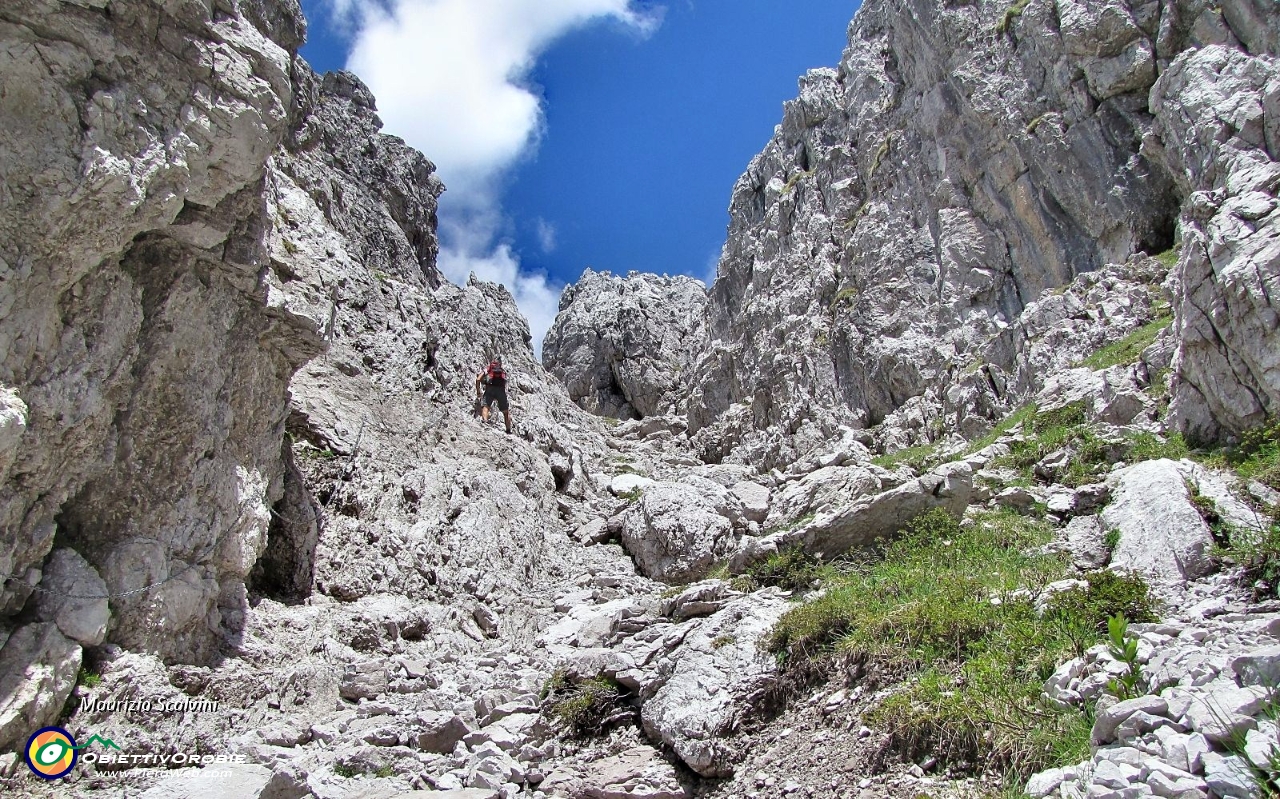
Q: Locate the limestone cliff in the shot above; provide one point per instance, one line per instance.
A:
(962, 160)
(147, 348)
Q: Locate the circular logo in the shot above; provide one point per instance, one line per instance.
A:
(51, 752)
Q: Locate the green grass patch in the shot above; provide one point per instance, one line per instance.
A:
(918, 457)
(1256, 550)
(585, 708)
(1128, 349)
(86, 678)
(953, 606)
(1010, 14)
(721, 641)
(343, 770)
(844, 296)
(1257, 456)
(1148, 446)
(1168, 258)
(633, 495)
(794, 179)
(792, 569)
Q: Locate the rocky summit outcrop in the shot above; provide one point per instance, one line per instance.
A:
(621, 345)
(961, 161)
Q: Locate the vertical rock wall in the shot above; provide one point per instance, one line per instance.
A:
(963, 160)
(145, 342)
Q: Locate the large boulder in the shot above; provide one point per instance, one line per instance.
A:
(73, 596)
(1163, 534)
(621, 344)
(675, 533)
(701, 686)
(38, 668)
(868, 519)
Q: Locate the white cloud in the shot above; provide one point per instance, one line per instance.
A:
(546, 235)
(712, 266)
(451, 78)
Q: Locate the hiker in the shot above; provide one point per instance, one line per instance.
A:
(494, 380)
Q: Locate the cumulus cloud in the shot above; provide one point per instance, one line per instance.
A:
(451, 78)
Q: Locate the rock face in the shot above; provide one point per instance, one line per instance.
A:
(147, 341)
(1218, 118)
(891, 251)
(621, 344)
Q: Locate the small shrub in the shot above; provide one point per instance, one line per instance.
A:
(1208, 510)
(844, 296)
(1124, 648)
(721, 641)
(384, 772)
(1111, 539)
(1257, 552)
(633, 495)
(794, 179)
(792, 569)
(1082, 615)
(1010, 14)
(587, 708)
(1257, 456)
(88, 679)
(1128, 349)
(343, 770)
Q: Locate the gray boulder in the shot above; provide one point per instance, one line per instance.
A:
(674, 532)
(621, 344)
(68, 579)
(870, 519)
(38, 668)
(1162, 535)
(699, 685)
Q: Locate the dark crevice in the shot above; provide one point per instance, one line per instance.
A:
(287, 566)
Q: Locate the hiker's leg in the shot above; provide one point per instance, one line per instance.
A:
(507, 414)
(484, 413)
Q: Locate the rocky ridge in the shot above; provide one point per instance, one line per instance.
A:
(961, 162)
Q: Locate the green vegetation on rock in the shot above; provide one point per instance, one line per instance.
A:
(1128, 349)
(585, 708)
(954, 606)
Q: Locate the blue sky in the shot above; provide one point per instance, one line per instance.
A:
(575, 133)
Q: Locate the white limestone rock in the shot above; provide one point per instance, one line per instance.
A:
(674, 532)
(869, 519)
(38, 668)
(68, 579)
(698, 685)
(1162, 535)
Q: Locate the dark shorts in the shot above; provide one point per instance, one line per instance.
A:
(496, 394)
